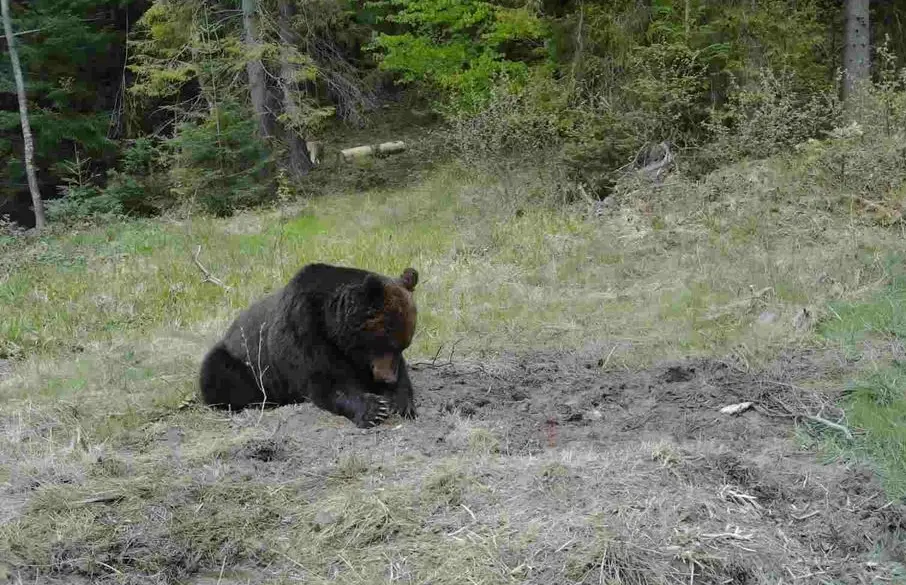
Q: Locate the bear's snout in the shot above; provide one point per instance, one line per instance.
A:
(384, 368)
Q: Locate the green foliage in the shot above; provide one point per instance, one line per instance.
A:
(877, 404)
(220, 163)
(720, 81)
(214, 157)
(858, 170)
(160, 63)
(458, 48)
(762, 119)
(138, 187)
(881, 317)
(69, 53)
(141, 186)
(81, 198)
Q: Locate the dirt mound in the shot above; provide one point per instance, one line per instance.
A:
(690, 494)
(546, 401)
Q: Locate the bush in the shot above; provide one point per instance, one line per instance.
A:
(140, 187)
(858, 170)
(578, 136)
(768, 117)
(220, 163)
(81, 202)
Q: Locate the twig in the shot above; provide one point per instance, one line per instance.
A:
(292, 560)
(208, 277)
(609, 355)
(433, 363)
(437, 354)
(114, 569)
(259, 374)
(222, 567)
(466, 508)
(101, 499)
(731, 535)
(833, 425)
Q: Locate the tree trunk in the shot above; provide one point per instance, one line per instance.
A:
(300, 162)
(255, 70)
(29, 144)
(857, 47)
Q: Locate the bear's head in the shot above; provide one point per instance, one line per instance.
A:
(380, 323)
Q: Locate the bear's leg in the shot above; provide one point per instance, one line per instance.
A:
(227, 382)
(403, 399)
(363, 408)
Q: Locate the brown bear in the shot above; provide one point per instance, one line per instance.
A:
(332, 335)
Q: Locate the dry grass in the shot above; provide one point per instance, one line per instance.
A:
(109, 473)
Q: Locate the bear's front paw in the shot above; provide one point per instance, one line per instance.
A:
(405, 408)
(374, 410)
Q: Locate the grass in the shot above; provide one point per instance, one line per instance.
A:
(876, 402)
(111, 472)
(653, 280)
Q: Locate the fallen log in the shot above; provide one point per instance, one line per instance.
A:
(385, 148)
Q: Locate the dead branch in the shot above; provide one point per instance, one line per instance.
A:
(101, 499)
(737, 535)
(829, 424)
(208, 277)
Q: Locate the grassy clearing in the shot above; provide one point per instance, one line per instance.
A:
(110, 472)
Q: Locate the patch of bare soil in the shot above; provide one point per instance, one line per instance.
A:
(684, 492)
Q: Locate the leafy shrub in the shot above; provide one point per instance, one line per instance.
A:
(579, 137)
(459, 49)
(81, 202)
(81, 197)
(142, 185)
(220, 163)
(139, 187)
(859, 170)
(512, 123)
(767, 117)
(517, 130)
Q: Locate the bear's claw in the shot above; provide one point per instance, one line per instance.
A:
(375, 411)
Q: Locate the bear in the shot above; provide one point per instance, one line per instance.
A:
(332, 335)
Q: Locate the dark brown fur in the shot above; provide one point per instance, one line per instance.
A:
(332, 335)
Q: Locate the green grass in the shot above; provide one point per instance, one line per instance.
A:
(877, 405)
(656, 278)
(883, 317)
(876, 402)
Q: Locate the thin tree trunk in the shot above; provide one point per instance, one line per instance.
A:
(857, 47)
(29, 144)
(255, 70)
(299, 158)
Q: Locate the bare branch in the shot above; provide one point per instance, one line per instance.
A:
(208, 277)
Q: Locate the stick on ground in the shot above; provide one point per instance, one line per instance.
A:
(208, 277)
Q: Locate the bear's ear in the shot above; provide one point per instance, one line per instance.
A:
(374, 290)
(409, 278)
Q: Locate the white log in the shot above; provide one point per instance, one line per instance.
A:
(384, 148)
